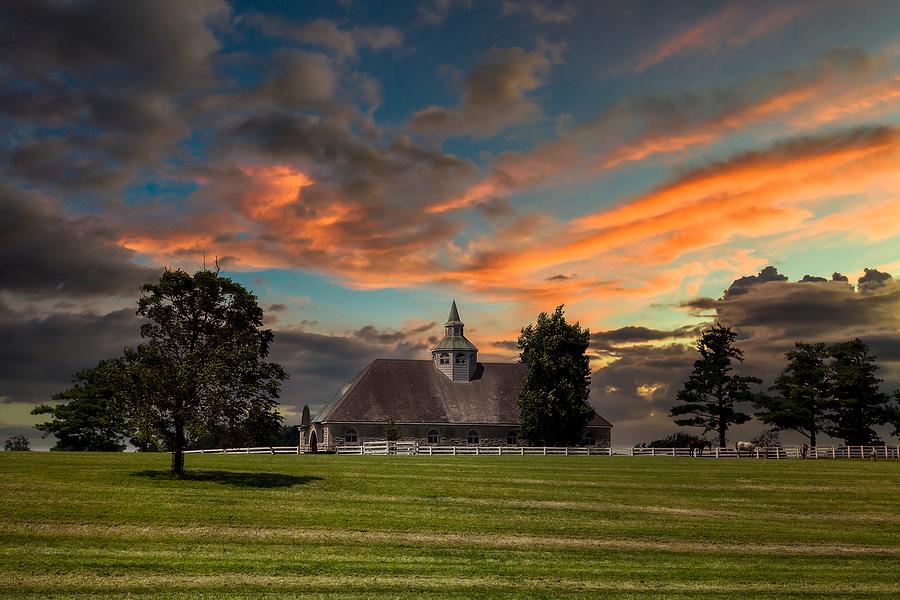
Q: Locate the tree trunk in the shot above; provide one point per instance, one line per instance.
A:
(178, 450)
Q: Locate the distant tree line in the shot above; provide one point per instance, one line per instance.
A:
(828, 389)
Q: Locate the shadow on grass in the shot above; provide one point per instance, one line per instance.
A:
(232, 478)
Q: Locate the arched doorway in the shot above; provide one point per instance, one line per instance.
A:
(313, 444)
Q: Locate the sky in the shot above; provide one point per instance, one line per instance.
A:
(653, 166)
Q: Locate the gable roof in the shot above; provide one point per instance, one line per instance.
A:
(414, 391)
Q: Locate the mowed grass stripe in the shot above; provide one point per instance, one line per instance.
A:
(504, 527)
(78, 532)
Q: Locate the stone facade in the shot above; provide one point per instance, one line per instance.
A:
(333, 435)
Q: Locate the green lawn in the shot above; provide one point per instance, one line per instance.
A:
(425, 527)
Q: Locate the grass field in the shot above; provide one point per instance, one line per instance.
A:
(417, 527)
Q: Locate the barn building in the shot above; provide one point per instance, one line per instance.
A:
(449, 400)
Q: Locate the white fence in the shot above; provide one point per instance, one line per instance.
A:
(414, 448)
(257, 450)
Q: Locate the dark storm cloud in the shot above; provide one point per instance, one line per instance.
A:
(637, 334)
(769, 314)
(740, 286)
(373, 335)
(43, 253)
(39, 355)
(108, 76)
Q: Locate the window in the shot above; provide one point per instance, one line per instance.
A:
(473, 437)
(589, 439)
(350, 437)
(460, 358)
(512, 438)
(433, 437)
(444, 359)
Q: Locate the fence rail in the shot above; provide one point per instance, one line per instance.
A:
(414, 448)
(256, 450)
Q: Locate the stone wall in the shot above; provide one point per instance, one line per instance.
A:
(448, 435)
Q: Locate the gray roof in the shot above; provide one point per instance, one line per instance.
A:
(454, 342)
(414, 391)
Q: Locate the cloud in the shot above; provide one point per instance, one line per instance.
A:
(434, 12)
(345, 43)
(760, 193)
(769, 314)
(495, 94)
(95, 73)
(732, 26)
(39, 354)
(43, 252)
(644, 128)
(631, 334)
(539, 11)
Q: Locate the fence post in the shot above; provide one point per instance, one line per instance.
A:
(717, 452)
(522, 450)
(833, 452)
(545, 450)
(477, 450)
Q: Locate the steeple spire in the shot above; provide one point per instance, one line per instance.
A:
(455, 356)
(454, 314)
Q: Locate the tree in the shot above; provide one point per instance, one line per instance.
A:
(858, 404)
(203, 364)
(712, 390)
(553, 401)
(804, 393)
(94, 418)
(17, 443)
(894, 414)
(768, 438)
(679, 439)
(391, 433)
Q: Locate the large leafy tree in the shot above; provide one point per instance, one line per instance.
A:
(202, 365)
(712, 390)
(803, 392)
(553, 402)
(91, 415)
(858, 403)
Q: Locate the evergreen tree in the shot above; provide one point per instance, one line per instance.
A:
(712, 391)
(803, 393)
(858, 404)
(553, 402)
(92, 416)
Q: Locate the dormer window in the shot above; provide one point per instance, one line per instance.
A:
(461, 358)
(444, 359)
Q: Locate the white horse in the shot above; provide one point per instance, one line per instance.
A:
(741, 446)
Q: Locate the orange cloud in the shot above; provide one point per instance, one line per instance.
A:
(732, 26)
(806, 97)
